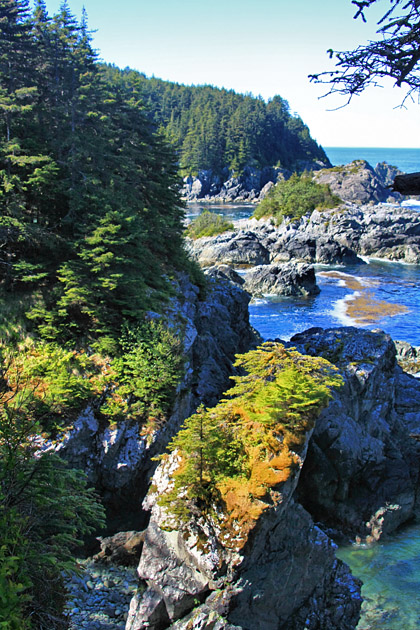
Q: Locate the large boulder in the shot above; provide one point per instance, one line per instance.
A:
(230, 248)
(287, 279)
(358, 182)
(361, 471)
(286, 576)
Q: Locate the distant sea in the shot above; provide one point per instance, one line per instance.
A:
(407, 160)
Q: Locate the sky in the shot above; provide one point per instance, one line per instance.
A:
(263, 47)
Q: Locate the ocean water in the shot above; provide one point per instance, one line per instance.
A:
(407, 160)
(392, 290)
(390, 570)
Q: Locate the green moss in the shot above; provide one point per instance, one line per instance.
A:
(233, 457)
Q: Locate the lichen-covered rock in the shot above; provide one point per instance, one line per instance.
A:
(358, 182)
(361, 471)
(408, 357)
(285, 572)
(287, 279)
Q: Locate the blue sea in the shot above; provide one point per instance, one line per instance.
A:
(407, 160)
(390, 569)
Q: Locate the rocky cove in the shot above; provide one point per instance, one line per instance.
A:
(358, 473)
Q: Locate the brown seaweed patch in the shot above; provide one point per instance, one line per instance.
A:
(351, 282)
(363, 307)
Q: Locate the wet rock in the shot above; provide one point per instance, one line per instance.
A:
(124, 548)
(287, 279)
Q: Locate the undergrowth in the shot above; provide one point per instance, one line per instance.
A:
(295, 197)
(208, 224)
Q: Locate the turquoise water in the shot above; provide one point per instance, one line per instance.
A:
(232, 211)
(407, 160)
(390, 571)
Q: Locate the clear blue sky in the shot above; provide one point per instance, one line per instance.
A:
(265, 47)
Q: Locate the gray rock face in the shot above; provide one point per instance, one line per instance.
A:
(209, 186)
(339, 236)
(230, 248)
(359, 475)
(361, 471)
(118, 460)
(356, 182)
(359, 183)
(408, 357)
(287, 279)
(286, 574)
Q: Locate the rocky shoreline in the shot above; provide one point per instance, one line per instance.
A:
(357, 181)
(359, 471)
(359, 476)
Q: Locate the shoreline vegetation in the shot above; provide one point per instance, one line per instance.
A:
(110, 333)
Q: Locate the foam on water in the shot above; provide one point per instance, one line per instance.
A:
(339, 310)
(390, 569)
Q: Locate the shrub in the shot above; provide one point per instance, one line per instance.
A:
(231, 458)
(54, 382)
(147, 373)
(208, 224)
(44, 508)
(296, 197)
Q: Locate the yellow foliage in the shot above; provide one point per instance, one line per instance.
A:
(236, 455)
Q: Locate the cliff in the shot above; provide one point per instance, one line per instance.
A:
(119, 459)
(357, 182)
(358, 474)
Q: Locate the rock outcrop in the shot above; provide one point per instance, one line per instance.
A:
(287, 279)
(359, 476)
(252, 185)
(356, 182)
(285, 577)
(359, 183)
(119, 459)
(361, 472)
(339, 236)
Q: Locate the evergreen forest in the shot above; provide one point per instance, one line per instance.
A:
(216, 129)
(91, 244)
(91, 239)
